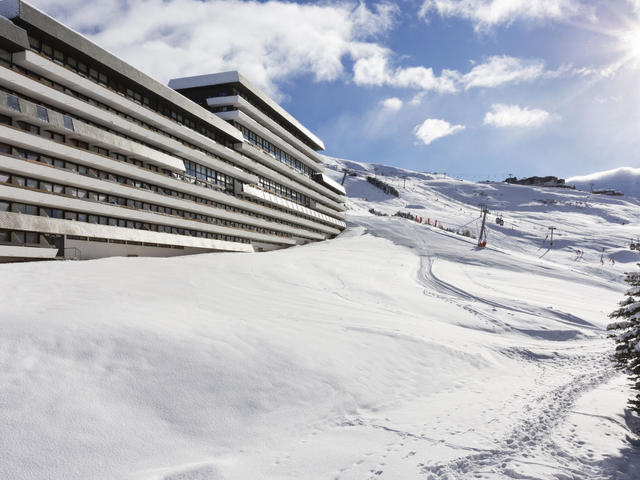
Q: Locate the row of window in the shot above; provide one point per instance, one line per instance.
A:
(209, 175)
(19, 237)
(116, 222)
(193, 169)
(98, 74)
(68, 122)
(126, 202)
(212, 178)
(274, 151)
(272, 186)
(240, 90)
(283, 191)
(103, 175)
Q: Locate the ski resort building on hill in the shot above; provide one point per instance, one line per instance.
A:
(98, 159)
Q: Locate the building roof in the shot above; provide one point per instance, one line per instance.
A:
(23, 13)
(236, 77)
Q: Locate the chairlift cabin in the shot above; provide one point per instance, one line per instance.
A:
(632, 246)
(499, 220)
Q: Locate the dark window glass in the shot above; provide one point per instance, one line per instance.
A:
(42, 113)
(4, 120)
(4, 206)
(13, 103)
(58, 56)
(31, 237)
(17, 180)
(47, 50)
(68, 123)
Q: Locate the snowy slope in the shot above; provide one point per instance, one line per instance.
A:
(624, 179)
(396, 351)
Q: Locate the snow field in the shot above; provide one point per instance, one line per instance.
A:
(395, 351)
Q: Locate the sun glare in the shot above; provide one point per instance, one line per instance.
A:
(630, 40)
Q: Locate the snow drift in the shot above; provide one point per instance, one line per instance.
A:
(398, 350)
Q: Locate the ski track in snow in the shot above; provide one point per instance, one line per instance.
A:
(396, 351)
(534, 436)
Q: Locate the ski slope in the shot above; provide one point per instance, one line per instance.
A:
(396, 351)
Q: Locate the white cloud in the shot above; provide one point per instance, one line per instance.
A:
(271, 42)
(375, 70)
(494, 72)
(392, 104)
(485, 14)
(502, 115)
(499, 70)
(268, 41)
(433, 128)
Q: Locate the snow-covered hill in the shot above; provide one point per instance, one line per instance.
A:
(398, 350)
(624, 179)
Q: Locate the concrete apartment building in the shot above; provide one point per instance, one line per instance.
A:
(98, 159)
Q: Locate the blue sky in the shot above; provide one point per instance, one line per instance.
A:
(474, 88)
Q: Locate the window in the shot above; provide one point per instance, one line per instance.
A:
(100, 150)
(56, 137)
(47, 50)
(58, 56)
(4, 120)
(31, 237)
(4, 206)
(68, 122)
(27, 127)
(17, 180)
(26, 209)
(42, 113)
(13, 103)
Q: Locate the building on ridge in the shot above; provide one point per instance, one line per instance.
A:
(98, 159)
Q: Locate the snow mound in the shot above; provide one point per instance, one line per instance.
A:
(397, 350)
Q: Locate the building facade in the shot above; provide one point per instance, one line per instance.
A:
(98, 159)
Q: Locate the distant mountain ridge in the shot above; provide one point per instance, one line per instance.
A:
(622, 179)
